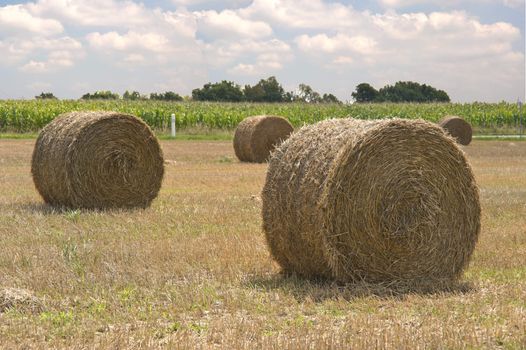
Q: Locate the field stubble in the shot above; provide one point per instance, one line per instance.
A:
(193, 271)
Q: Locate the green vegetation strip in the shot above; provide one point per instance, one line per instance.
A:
(29, 116)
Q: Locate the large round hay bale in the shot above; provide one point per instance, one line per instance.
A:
(97, 160)
(257, 136)
(391, 200)
(458, 128)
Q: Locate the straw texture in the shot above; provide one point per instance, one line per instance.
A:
(391, 200)
(458, 128)
(97, 160)
(257, 136)
(20, 299)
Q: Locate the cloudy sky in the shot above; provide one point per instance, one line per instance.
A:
(472, 49)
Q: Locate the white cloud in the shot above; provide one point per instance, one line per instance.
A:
(17, 18)
(303, 14)
(182, 22)
(58, 52)
(134, 58)
(166, 38)
(401, 27)
(402, 3)
(246, 69)
(451, 50)
(228, 23)
(129, 41)
(39, 85)
(62, 43)
(226, 53)
(260, 68)
(337, 43)
(265, 64)
(109, 13)
(446, 3)
(514, 3)
(55, 60)
(301, 40)
(227, 3)
(343, 60)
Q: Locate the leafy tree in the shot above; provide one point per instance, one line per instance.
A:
(401, 91)
(364, 93)
(134, 96)
(225, 91)
(254, 93)
(101, 95)
(409, 91)
(289, 96)
(330, 98)
(307, 94)
(46, 96)
(266, 90)
(166, 96)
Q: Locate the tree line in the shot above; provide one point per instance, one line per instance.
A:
(270, 90)
(402, 91)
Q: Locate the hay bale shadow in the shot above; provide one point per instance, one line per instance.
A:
(320, 290)
(42, 208)
(48, 209)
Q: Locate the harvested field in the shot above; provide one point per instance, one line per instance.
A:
(193, 270)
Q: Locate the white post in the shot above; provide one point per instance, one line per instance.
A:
(519, 102)
(173, 125)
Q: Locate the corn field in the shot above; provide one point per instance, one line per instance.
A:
(23, 116)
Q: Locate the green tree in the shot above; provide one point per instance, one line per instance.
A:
(101, 95)
(254, 93)
(134, 96)
(364, 93)
(409, 91)
(45, 96)
(289, 96)
(307, 94)
(225, 91)
(330, 98)
(266, 90)
(166, 96)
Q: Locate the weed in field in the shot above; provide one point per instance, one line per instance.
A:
(72, 214)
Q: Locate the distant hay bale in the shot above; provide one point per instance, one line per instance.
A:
(458, 128)
(390, 200)
(97, 160)
(21, 299)
(257, 136)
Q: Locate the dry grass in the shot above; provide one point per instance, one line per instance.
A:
(193, 271)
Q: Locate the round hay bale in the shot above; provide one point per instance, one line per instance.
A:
(257, 136)
(97, 160)
(390, 200)
(458, 128)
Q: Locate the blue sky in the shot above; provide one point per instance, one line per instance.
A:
(473, 49)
